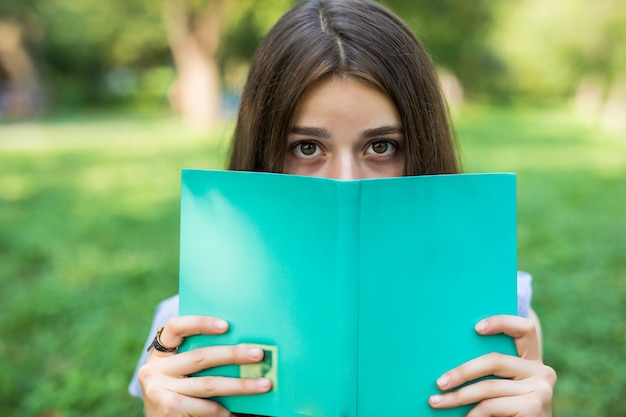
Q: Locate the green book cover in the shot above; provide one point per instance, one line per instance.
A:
(362, 292)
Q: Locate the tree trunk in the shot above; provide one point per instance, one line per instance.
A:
(614, 113)
(22, 95)
(589, 97)
(194, 40)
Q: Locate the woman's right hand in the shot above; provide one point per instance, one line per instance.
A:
(167, 389)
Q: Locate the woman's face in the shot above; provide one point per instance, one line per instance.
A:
(346, 130)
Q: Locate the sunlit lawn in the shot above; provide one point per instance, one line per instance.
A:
(89, 245)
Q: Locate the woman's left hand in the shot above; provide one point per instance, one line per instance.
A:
(525, 386)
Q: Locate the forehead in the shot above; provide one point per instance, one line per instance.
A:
(345, 100)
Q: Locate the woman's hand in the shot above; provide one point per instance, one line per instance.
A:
(527, 385)
(167, 391)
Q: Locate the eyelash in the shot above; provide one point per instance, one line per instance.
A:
(296, 148)
(391, 147)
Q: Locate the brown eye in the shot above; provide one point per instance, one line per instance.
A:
(380, 147)
(308, 148)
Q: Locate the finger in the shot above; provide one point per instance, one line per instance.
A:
(214, 386)
(199, 359)
(480, 391)
(497, 364)
(204, 408)
(170, 403)
(523, 330)
(519, 406)
(496, 407)
(178, 328)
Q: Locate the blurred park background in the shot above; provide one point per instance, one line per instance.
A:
(103, 102)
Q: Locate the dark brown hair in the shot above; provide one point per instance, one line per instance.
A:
(358, 39)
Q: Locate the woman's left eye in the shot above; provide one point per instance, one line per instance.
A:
(380, 147)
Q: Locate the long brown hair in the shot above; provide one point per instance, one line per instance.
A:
(345, 38)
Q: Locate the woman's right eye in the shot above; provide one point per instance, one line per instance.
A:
(306, 149)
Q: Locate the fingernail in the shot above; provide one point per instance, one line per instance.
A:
(255, 353)
(481, 326)
(435, 399)
(443, 380)
(263, 383)
(221, 325)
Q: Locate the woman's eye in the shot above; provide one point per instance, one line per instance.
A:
(381, 147)
(307, 149)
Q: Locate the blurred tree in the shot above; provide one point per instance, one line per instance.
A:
(20, 84)
(454, 32)
(196, 30)
(85, 40)
(20, 92)
(194, 34)
(93, 52)
(556, 48)
(74, 43)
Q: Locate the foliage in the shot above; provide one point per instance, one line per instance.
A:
(531, 47)
(81, 44)
(88, 247)
(247, 23)
(551, 46)
(455, 34)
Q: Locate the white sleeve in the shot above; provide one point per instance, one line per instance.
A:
(524, 293)
(164, 311)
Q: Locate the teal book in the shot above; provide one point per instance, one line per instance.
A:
(361, 293)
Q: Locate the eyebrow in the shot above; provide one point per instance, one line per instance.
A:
(316, 132)
(310, 131)
(382, 131)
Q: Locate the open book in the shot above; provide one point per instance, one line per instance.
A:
(362, 293)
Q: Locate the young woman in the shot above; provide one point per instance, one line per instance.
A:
(343, 89)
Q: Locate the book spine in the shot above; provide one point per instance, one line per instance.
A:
(348, 243)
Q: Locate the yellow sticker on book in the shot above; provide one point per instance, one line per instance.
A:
(266, 368)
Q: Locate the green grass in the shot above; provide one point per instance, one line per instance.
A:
(89, 245)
